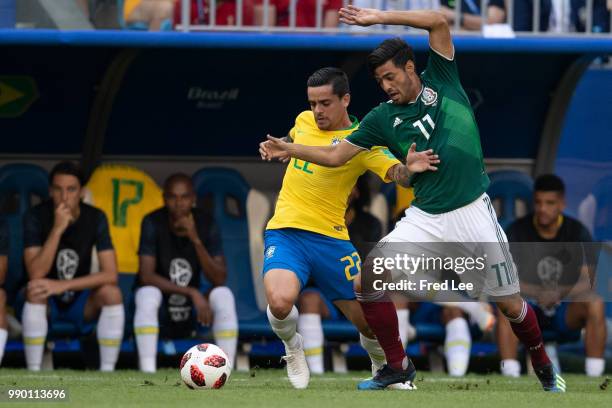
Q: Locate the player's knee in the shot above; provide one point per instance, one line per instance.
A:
(148, 297)
(108, 295)
(309, 302)
(511, 308)
(222, 298)
(280, 304)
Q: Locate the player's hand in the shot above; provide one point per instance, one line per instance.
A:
(418, 162)
(63, 217)
(263, 151)
(186, 227)
(364, 17)
(274, 149)
(202, 308)
(43, 288)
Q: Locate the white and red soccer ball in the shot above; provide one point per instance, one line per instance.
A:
(205, 366)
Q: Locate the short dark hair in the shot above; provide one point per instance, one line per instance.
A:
(549, 182)
(68, 168)
(177, 178)
(394, 49)
(335, 77)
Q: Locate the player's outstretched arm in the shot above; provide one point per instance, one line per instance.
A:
(329, 156)
(432, 21)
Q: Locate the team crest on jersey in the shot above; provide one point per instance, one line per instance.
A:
(335, 141)
(180, 272)
(67, 263)
(270, 252)
(429, 96)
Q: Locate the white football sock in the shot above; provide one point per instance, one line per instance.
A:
(375, 351)
(225, 320)
(3, 336)
(35, 329)
(402, 319)
(286, 328)
(311, 329)
(510, 368)
(457, 345)
(148, 300)
(594, 367)
(110, 333)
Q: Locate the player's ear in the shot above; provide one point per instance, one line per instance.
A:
(346, 100)
(409, 66)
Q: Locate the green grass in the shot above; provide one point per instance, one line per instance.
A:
(270, 388)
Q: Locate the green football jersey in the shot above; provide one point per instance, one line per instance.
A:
(441, 119)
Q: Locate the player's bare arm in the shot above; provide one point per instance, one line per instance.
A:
(213, 266)
(432, 21)
(44, 288)
(329, 156)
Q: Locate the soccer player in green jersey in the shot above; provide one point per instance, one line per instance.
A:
(429, 111)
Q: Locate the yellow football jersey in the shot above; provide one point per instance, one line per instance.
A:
(126, 195)
(314, 198)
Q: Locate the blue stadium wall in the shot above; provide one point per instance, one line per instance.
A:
(216, 94)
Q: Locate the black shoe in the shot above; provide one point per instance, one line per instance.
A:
(386, 376)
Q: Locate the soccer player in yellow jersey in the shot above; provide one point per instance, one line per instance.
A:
(307, 237)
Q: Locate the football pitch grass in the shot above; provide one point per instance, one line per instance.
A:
(270, 388)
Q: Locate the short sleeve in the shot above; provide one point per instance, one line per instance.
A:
(368, 134)
(379, 160)
(441, 69)
(103, 238)
(4, 238)
(291, 134)
(148, 234)
(32, 233)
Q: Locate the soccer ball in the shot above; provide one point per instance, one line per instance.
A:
(205, 366)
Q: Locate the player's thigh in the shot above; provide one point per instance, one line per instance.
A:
(410, 241)
(285, 271)
(335, 264)
(478, 238)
